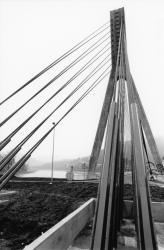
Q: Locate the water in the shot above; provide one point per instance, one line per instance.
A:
(56, 174)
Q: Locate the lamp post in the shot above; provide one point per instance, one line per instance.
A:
(52, 163)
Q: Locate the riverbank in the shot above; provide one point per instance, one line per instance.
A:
(38, 205)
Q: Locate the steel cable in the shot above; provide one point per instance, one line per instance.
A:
(6, 159)
(74, 62)
(8, 175)
(66, 54)
(88, 64)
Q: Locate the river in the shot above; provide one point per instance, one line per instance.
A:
(78, 175)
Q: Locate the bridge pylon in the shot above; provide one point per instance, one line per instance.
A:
(117, 21)
(124, 120)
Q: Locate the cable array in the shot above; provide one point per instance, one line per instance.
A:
(8, 174)
(88, 64)
(73, 63)
(99, 70)
(66, 54)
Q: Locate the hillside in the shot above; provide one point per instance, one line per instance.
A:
(63, 164)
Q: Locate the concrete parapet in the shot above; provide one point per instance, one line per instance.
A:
(61, 235)
(157, 210)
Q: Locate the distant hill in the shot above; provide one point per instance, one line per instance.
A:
(34, 165)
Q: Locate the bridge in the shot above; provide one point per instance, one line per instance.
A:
(122, 119)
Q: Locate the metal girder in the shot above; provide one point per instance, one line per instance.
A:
(110, 226)
(101, 126)
(100, 217)
(108, 212)
(116, 20)
(134, 98)
(110, 196)
(145, 227)
(146, 127)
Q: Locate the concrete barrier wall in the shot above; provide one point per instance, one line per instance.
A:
(63, 233)
(157, 210)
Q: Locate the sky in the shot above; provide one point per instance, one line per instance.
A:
(36, 32)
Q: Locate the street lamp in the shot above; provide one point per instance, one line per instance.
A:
(52, 163)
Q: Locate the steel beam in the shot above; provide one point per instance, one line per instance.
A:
(110, 228)
(116, 20)
(134, 98)
(146, 127)
(102, 198)
(145, 225)
(101, 126)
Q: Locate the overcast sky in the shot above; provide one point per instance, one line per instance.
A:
(34, 33)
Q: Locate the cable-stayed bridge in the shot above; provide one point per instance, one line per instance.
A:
(122, 119)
